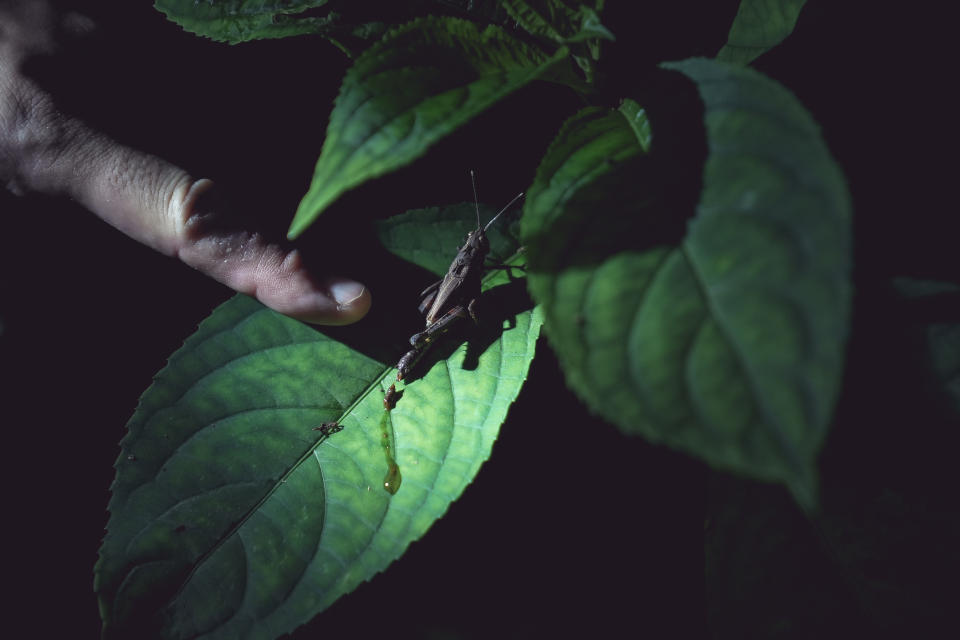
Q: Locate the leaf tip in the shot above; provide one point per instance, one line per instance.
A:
(806, 491)
(300, 223)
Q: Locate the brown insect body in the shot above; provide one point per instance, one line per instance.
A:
(462, 282)
(456, 295)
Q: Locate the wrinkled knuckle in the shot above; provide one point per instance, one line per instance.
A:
(292, 262)
(194, 206)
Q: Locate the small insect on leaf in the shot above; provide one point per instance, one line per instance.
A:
(328, 428)
(390, 398)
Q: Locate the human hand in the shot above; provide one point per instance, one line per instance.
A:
(43, 150)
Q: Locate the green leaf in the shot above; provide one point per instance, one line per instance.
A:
(565, 22)
(551, 19)
(558, 20)
(418, 84)
(759, 26)
(348, 24)
(235, 21)
(591, 29)
(729, 343)
(637, 118)
(448, 225)
(231, 517)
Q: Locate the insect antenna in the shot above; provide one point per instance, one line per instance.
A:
(515, 198)
(476, 203)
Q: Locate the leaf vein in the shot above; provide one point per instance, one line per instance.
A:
(775, 429)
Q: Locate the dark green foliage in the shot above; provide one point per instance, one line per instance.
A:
(420, 83)
(235, 21)
(728, 342)
(759, 26)
(686, 239)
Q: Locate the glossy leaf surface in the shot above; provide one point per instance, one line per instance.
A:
(232, 516)
(726, 343)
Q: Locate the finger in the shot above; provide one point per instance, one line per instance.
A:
(273, 272)
(160, 205)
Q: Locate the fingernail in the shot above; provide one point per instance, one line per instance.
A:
(346, 292)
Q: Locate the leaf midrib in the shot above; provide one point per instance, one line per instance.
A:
(239, 524)
(790, 454)
(235, 529)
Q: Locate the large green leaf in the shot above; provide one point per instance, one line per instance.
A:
(418, 84)
(759, 26)
(637, 118)
(231, 517)
(729, 342)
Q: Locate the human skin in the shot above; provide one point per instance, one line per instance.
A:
(46, 151)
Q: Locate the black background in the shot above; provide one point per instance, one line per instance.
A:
(569, 528)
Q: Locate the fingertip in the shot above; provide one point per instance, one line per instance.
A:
(349, 295)
(353, 301)
(338, 301)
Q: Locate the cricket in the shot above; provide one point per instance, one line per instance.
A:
(455, 296)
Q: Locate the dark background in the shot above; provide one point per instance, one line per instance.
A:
(569, 528)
